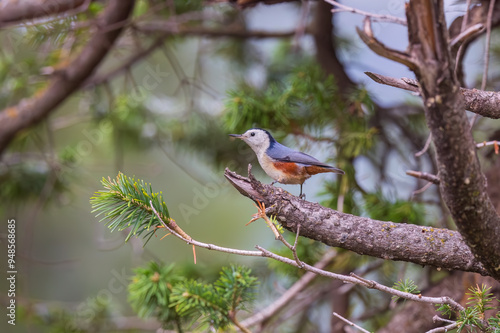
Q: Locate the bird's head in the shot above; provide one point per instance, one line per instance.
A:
(258, 139)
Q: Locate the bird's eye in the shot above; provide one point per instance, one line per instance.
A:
(252, 134)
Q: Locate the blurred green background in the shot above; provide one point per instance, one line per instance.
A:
(165, 121)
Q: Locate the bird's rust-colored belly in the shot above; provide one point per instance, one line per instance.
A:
(294, 173)
(290, 173)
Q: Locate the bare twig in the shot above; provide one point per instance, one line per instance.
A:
(486, 54)
(436, 318)
(466, 35)
(350, 323)
(422, 189)
(487, 45)
(426, 146)
(461, 41)
(444, 328)
(375, 17)
(205, 245)
(261, 214)
(423, 175)
(355, 279)
(366, 283)
(291, 293)
(366, 34)
(238, 324)
(294, 248)
(494, 143)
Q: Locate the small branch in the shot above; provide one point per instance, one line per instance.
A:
(437, 318)
(484, 79)
(238, 324)
(294, 248)
(367, 283)
(205, 245)
(484, 103)
(262, 214)
(424, 175)
(291, 293)
(375, 17)
(404, 83)
(426, 146)
(493, 143)
(444, 328)
(467, 34)
(422, 189)
(350, 323)
(487, 45)
(366, 34)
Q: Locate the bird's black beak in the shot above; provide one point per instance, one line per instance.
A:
(239, 136)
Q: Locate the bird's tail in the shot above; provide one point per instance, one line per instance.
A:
(315, 169)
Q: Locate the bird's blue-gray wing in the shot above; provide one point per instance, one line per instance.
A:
(284, 154)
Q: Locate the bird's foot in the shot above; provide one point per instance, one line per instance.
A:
(302, 196)
(274, 182)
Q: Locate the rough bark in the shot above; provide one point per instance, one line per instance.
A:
(65, 81)
(387, 240)
(463, 185)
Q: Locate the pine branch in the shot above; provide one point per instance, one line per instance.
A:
(126, 203)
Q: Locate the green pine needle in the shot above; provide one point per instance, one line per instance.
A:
(407, 286)
(125, 203)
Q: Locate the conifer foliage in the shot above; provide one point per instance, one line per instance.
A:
(157, 290)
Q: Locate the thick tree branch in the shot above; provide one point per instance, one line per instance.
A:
(462, 185)
(31, 111)
(393, 241)
(484, 103)
(14, 12)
